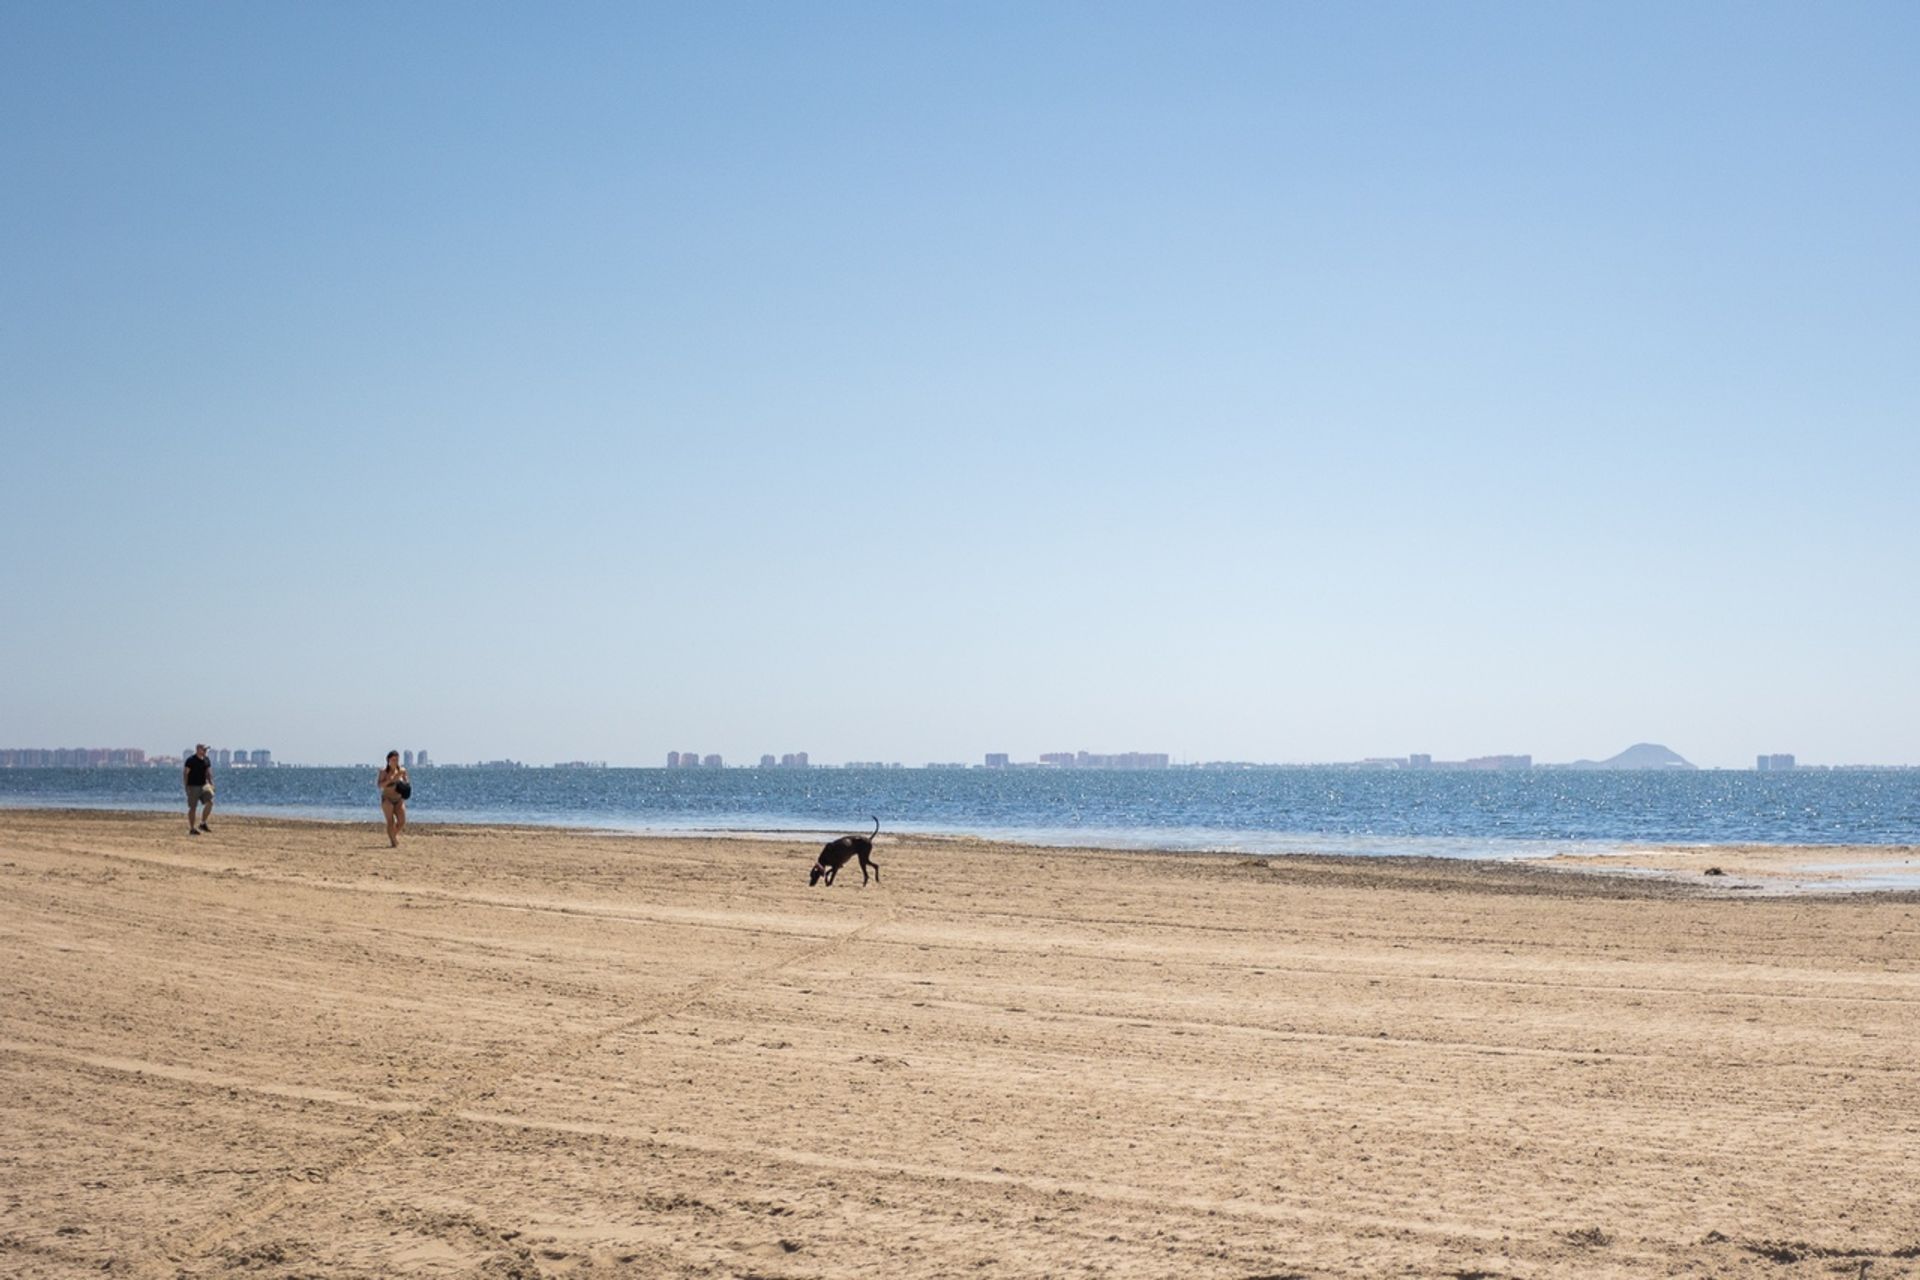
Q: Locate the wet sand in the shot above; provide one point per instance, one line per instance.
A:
(1766, 869)
(283, 1049)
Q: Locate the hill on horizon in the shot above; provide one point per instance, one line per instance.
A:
(1641, 755)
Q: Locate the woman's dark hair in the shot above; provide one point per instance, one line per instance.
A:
(393, 755)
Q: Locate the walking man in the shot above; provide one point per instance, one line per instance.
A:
(197, 776)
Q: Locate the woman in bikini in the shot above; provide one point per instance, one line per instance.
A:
(394, 787)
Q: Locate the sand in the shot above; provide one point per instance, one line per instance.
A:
(283, 1049)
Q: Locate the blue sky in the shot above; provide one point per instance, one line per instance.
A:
(1280, 382)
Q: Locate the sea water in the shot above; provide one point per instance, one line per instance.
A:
(1264, 810)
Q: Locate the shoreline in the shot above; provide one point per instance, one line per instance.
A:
(1734, 869)
(1517, 815)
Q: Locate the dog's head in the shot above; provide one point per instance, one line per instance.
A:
(813, 876)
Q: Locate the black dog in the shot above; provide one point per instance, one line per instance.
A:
(835, 856)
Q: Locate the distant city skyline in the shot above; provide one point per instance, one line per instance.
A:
(1776, 762)
(1277, 382)
(127, 757)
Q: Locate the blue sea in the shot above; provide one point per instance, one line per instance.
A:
(1280, 810)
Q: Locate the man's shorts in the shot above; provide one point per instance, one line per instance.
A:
(202, 793)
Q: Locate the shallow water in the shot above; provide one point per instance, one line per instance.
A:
(1325, 810)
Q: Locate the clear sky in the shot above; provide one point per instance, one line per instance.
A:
(1286, 382)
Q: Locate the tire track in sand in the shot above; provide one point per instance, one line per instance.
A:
(176, 1250)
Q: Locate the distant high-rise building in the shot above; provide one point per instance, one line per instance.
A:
(421, 757)
(222, 757)
(1779, 762)
(406, 759)
(262, 758)
(71, 757)
(1122, 760)
(996, 760)
(767, 762)
(1420, 760)
(241, 757)
(710, 762)
(673, 759)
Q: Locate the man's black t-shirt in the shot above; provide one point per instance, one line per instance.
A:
(198, 767)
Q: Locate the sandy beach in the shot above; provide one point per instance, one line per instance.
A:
(283, 1049)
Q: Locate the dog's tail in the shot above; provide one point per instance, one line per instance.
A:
(876, 827)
